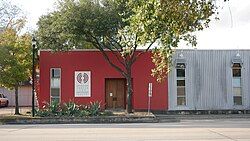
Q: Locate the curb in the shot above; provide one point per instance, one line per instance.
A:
(120, 119)
(203, 117)
(91, 120)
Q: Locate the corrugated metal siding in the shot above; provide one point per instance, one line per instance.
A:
(209, 80)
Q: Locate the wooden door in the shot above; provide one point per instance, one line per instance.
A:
(115, 93)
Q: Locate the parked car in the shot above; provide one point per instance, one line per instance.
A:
(3, 100)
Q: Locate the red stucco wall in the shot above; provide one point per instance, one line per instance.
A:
(93, 61)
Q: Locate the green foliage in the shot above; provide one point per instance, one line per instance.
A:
(70, 109)
(107, 113)
(168, 22)
(123, 26)
(64, 28)
(84, 113)
(161, 58)
(43, 113)
(94, 108)
(15, 58)
(53, 109)
(171, 20)
(15, 49)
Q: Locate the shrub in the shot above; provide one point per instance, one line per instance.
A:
(70, 109)
(43, 113)
(84, 113)
(107, 113)
(95, 108)
(52, 109)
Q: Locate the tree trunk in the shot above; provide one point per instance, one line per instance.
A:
(129, 105)
(16, 99)
(129, 95)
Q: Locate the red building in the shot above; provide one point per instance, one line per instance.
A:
(83, 76)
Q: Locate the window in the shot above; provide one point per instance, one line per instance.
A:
(55, 84)
(55, 73)
(237, 90)
(181, 93)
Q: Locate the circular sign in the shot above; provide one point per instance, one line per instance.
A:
(85, 78)
(79, 78)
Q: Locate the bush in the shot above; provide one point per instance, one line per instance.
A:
(69, 109)
(52, 109)
(95, 108)
(107, 113)
(84, 113)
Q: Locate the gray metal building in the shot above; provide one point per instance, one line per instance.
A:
(210, 80)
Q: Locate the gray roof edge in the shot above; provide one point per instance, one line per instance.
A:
(212, 49)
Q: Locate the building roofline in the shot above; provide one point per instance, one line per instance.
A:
(97, 50)
(213, 49)
(78, 50)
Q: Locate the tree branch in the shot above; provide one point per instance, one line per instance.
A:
(135, 48)
(115, 54)
(146, 50)
(99, 46)
(112, 40)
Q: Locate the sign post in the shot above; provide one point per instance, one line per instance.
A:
(150, 89)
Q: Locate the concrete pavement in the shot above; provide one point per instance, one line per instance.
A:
(11, 110)
(205, 130)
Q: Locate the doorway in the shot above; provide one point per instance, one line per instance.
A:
(115, 93)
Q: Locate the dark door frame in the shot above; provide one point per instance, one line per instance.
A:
(125, 89)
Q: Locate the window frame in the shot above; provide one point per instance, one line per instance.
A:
(182, 67)
(235, 87)
(60, 85)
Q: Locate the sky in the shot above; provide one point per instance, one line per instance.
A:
(230, 32)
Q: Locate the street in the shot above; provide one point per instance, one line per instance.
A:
(205, 130)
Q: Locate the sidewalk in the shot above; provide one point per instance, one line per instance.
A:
(179, 117)
(7, 117)
(130, 118)
(11, 110)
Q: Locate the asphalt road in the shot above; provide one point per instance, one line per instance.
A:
(206, 130)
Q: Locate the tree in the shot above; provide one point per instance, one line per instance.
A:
(15, 61)
(10, 16)
(15, 49)
(123, 26)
